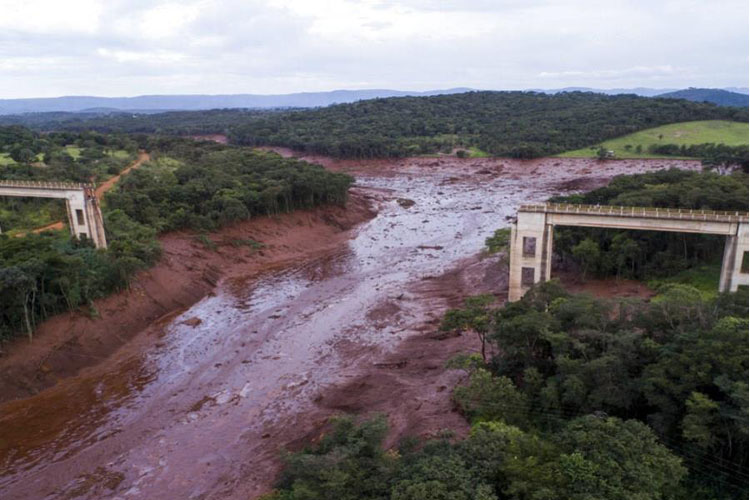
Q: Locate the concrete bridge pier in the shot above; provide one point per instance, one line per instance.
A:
(735, 248)
(530, 253)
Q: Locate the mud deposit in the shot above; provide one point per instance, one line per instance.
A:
(203, 404)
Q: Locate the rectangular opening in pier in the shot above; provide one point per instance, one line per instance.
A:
(529, 246)
(744, 266)
(527, 276)
(79, 216)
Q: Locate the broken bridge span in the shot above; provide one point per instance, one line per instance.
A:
(532, 234)
(84, 212)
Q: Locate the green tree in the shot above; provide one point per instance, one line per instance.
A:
(475, 316)
(587, 253)
(610, 459)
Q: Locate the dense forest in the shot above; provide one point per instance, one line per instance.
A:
(216, 121)
(650, 254)
(204, 185)
(512, 124)
(580, 399)
(188, 184)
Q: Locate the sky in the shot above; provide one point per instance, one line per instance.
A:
(133, 47)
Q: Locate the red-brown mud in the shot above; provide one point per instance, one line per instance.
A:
(187, 271)
(200, 403)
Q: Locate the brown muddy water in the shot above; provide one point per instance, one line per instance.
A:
(203, 408)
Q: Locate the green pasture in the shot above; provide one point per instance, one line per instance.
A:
(687, 133)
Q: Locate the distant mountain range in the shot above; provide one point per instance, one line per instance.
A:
(716, 96)
(159, 103)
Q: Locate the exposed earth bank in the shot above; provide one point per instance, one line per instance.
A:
(187, 271)
(200, 403)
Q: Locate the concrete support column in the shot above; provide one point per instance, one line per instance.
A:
(85, 217)
(731, 266)
(76, 205)
(530, 253)
(94, 219)
(546, 272)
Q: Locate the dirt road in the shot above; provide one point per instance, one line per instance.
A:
(105, 186)
(100, 191)
(201, 406)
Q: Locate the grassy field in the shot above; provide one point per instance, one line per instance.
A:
(5, 159)
(688, 133)
(73, 151)
(705, 278)
(120, 153)
(475, 152)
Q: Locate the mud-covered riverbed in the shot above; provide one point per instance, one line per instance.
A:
(202, 410)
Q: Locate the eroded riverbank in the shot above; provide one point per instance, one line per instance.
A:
(201, 408)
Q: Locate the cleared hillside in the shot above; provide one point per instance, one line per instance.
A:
(684, 133)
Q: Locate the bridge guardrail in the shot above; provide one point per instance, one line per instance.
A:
(45, 184)
(651, 212)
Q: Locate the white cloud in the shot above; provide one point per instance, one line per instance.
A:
(129, 47)
(44, 16)
(146, 57)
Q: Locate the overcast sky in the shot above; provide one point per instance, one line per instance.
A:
(132, 47)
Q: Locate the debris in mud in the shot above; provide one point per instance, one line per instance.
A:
(100, 479)
(405, 202)
(395, 364)
(200, 404)
(194, 321)
(429, 247)
(445, 335)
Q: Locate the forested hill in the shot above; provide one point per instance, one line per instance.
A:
(715, 96)
(514, 124)
(215, 121)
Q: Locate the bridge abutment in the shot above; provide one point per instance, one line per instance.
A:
(735, 248)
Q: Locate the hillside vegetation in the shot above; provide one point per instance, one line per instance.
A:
(514, 124)
(637, 144)
(216, 121)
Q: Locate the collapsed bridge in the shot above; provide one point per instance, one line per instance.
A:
(532, 234)
(84, 212)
